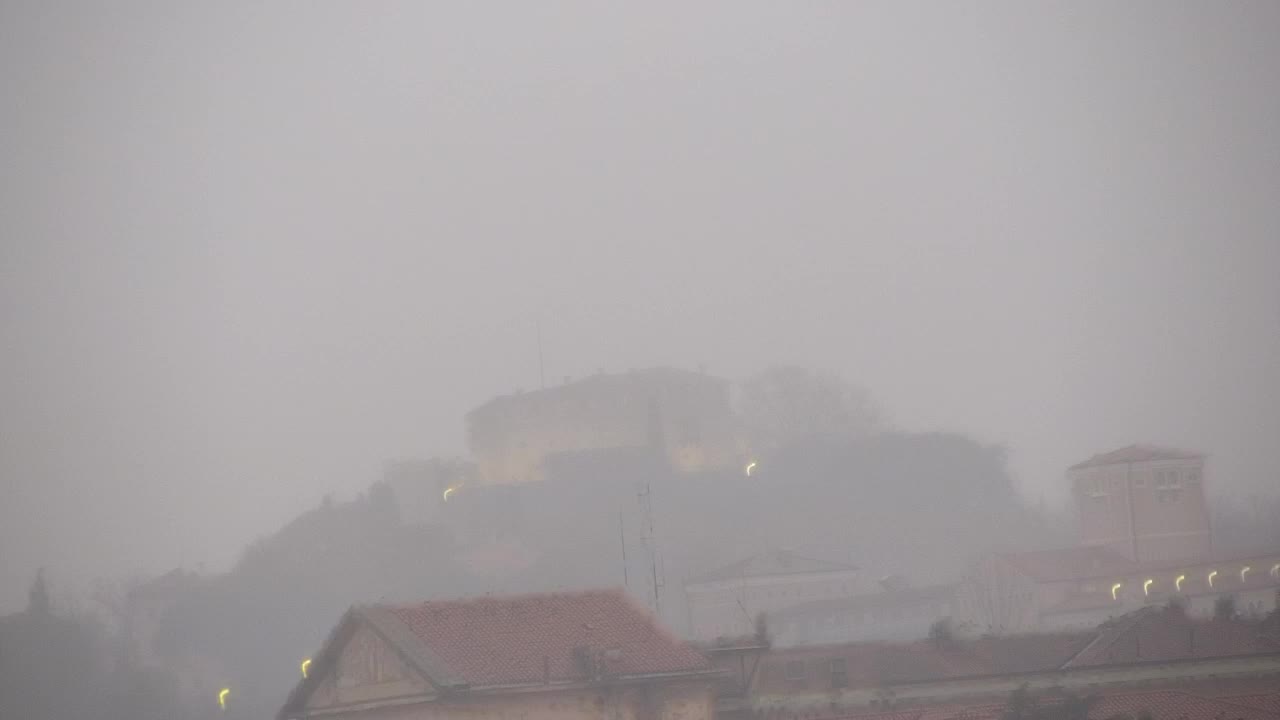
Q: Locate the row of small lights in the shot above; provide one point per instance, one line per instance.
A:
(1177, 583)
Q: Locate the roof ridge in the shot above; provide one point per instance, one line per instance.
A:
(401, 637)
(505, 599)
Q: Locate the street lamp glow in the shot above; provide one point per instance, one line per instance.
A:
(1275, 569)
(751, 466)
(1244, 571)
(305, 664)
(1178, 583)
(222, 697)
(1146, 586)
(1115, 589)
(1212, 575)
(448, 491)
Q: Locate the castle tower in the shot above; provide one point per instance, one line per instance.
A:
(1147, 503)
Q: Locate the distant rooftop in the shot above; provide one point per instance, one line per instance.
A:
(490, 642)
(1136, 454)
(1152, 634)
(1158, 634)
(772, 564)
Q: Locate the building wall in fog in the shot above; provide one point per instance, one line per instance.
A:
(1005, 594)
(685, 416)
(892, 615)
(726, 602)
(1147, 504)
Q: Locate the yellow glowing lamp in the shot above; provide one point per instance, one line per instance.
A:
(1178, 583)
(447, 492)
(751, 466)
(222, 697)
(1244, 571)
(1212, 575)
(1146, 586)
(1115, 589)
(305, 664)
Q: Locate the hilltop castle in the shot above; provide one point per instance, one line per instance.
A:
(683, 416)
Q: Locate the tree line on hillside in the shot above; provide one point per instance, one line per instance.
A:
(55, 663)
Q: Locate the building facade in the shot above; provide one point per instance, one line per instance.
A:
(726, 602)
(894, 614)
(1078, 588)
(685, 417)
(1145, 539)
(1146, 503)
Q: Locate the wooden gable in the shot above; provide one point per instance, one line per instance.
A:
(367, 669)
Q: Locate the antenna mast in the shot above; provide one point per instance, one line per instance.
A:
(646, 501)
(622, 536)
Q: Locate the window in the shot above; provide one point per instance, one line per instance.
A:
(795, 670)
(839, 674)
(1167, 485)
(1095, 486)
(1140, 479)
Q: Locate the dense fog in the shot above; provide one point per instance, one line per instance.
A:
(261, 264)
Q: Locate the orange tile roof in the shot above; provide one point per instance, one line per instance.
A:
(1136, 453)
(1161, 704)
(1162, 634)
(533, 638)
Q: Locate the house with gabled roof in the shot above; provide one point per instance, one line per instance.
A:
(573, 655)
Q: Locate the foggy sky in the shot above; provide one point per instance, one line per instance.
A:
(250, 252)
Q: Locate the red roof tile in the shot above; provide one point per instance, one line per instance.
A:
(1161, 704)
(878, 664)
(532, 638)
(1175, 705)
(1162, 634)
(1136, 453)
(1267, 702)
